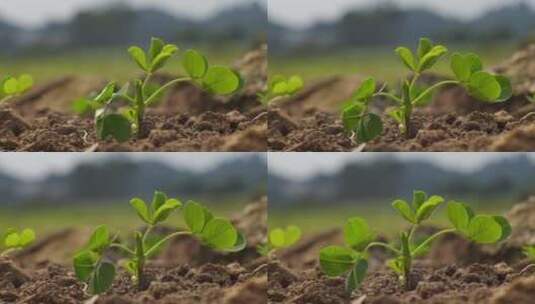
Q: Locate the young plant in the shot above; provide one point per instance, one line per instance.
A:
(14, 86)
(468, 71)
(140, 93)
(93, 267)
(279, 238)
(280, 86)
(13, 240)
(352, 260)
(529, 251)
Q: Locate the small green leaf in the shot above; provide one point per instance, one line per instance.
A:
(167, 52)
(12, 240)
(27, 236)
(241, 243)
(335, 260)
(484, 87)
(407, 57)
(352, 115)
(194, 216)
(84, 265)
(11, 86)
(102, 278)
(165, 210)
(506, 91)
(295, 84)
(428, 207)
(357, 233)
(356, 275)
(424, 47)
(195, 64)
(139, 56)
(529, 251)
(220, 234)
(116, 126)
(141, 209)
(463, 66)
(405, 210)
(158, 199)
(293, 234)
(25, 83)
(366, 90)
(99, 240)
(282, 238)
(431, 58)
(277, 237)
(221, 80)
(106, 94)
(418, 198)
(460, 216)
(370, 126)
(506, 227)
(484, 229)
(156, 47)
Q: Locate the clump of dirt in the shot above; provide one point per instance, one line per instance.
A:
(187, 120)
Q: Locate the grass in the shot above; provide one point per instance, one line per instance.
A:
(314, 219)
(379, 62)
(108, 63)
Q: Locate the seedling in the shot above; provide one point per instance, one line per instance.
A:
(352, 260)
(280, 86)
(14, 240)
(468, 71)
(279, 238)
(140, 93)
(529, 251)
(93, 267)
(14, 86)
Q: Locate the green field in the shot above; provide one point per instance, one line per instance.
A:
(381, 63)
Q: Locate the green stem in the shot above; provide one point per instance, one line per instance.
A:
(162, 241)
(432, 88)
(149, 101)
(412, 231)
(146, 81)
(379, 244)
(124, 96)
(146, 233)
(432, 238)
(122, 247)
(389, 95)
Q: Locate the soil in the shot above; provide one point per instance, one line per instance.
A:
(310, 121)
(185, 272)
(455, 271)
(186, 120)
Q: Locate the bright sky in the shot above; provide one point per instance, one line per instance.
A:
(38, 12)
(302, 165)
(300, 13)
(36, 165)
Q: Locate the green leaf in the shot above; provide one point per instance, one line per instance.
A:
(505, 227)
(506, 89)
(277, 237)
(428, 207)
(431, 58)
(194, 216)
(139, 56)
(424, 47)
(82, 106)
(141, 209)
(84, 265)
(281, 238)
(241, 243)
(460, 216)
(357, 233)
(370, 126)
(99, 240)
(484, 87)
(167, 52)
(116, 126)
(27, 236)
(220, 234)
(407, 57)
(356, 275)
(12, 240)
(11, 86)
(484, 229)
(106, 94)
(102, 278)
(195, 64)
(221, 80)
(163, 212)
(418, 198)
(351, 116)
(405, 210)
(529, 251)
(417, 101)
(158, 199)
(156, 47)
(293, 235)
(463, 66)
(366, 90)
(25, 83)
(335, 260)
(295, 84)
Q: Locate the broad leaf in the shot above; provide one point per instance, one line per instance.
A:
(165, 210)
(221, 80)
(505, 226)
(116, 126)
(506, 91)
(99, 240)
(463, 66)
(357, 233)
(484, 229)
(156, 47)
(220, 234)
(484, 87)
(295, 84)
(424, 47)
(418, 198)
(431, 58)
(102, 278)
(194, 216)
(106, 93)
(366, 90)
(351, 116)
(407, 58)
(84, 265)
(27, 236)
(158, 199)
(370, 126)
(460, 216)
(335, 260)
(167, 52)
(241, 243)
(405, 210)
(195, 64)
(428, 207)
(139, 56)
(356, 275)
(141, 209)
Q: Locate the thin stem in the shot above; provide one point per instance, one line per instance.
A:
(432, 88)
(412, 231)
(146, 233)
(162, 241)
(152, 98)
(432, 238)
(124, 96)
(122, 247)
(389, 95)
(379, 244)
(146, 81)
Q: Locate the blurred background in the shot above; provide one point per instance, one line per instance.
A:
(90, 37)
(51, 191)
(319, 38)
(319, 191)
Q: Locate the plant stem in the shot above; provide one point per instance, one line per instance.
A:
(162, 241)
(122, 247)
(379, 244)
(151, 99)
(432, 88)
(432, 238)
(146, 233)
(389, 95)
(412, 231)
(140, 260)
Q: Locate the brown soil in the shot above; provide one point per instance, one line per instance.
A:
(187, 120)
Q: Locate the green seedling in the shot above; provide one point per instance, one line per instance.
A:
(468, 71)
(281, 86)
(352, 260)
(93, 267)
(14, 86)
(279, 238)
(14, 240)
(140, 94)
(529, 251)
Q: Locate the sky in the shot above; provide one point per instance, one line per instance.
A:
(301, 13)
(34, 13)
(303, 165)
(37, 165)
